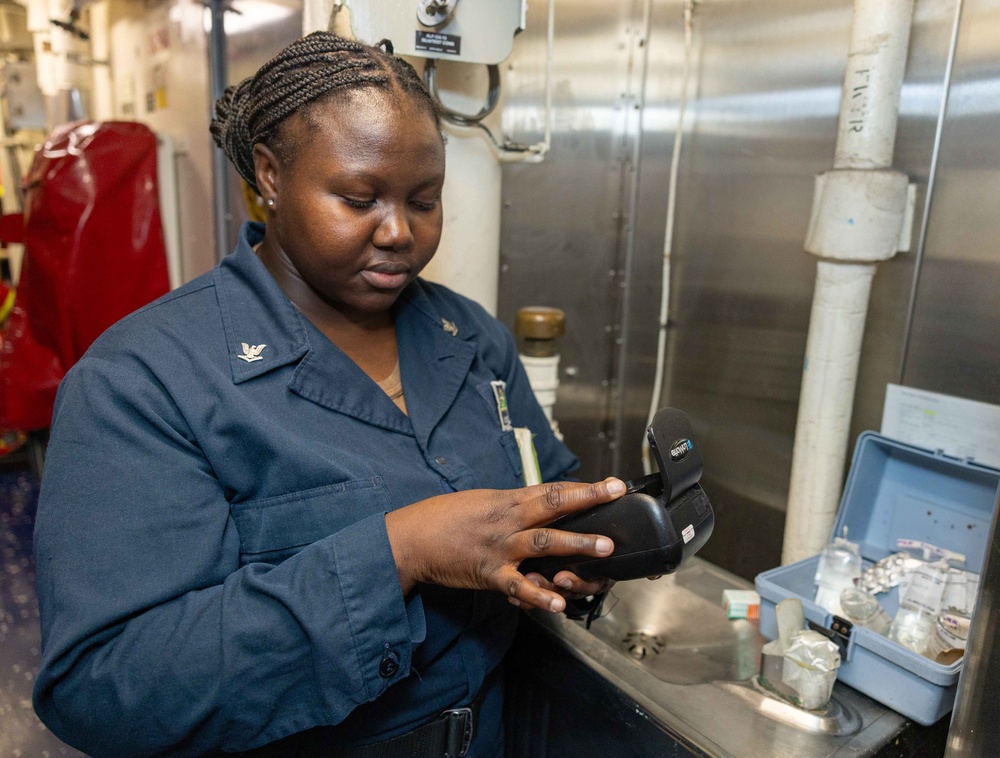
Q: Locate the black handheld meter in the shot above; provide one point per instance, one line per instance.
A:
(661, 520)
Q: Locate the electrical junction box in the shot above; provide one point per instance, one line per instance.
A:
(471, 31)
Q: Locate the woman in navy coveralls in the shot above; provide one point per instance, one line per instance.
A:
(281, 514)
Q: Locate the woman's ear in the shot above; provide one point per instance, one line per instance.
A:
(265, 166)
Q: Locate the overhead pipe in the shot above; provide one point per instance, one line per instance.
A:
(861, 215)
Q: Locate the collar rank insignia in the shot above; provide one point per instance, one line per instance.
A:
(251, 353)
(449, 326)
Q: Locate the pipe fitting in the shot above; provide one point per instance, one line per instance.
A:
(538, 328)
(861, 215)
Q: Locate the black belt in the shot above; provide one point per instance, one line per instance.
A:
(448, 736)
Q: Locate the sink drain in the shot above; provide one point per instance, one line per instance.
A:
(641, 645)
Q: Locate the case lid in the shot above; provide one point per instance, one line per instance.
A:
(900, 491)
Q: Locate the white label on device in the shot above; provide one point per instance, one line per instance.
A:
(688, 533)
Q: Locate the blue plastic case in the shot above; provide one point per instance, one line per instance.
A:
(894, 491)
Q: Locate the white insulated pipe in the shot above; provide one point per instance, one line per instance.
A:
(833, 350)
(468, 257)
(876, 62)
(537, 329)
(543, 376)
(860, 213)
(103, 102)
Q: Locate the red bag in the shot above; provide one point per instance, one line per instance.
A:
(94, 252)
(29, 376)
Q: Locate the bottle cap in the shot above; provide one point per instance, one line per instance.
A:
(540, 323)
(537, 328)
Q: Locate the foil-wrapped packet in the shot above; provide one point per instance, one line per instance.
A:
(810, 668)
(886, 573)
(812, 650)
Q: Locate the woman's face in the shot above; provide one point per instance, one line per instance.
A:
(357, 204)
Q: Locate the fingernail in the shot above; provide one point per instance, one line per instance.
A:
(616, 486)
(603, 545)
(566, 584)
(514, 601)
(557, 605)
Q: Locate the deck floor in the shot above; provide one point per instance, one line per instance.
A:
(22, 735)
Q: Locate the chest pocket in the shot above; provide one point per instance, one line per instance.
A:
(506, 440)
(274, 528)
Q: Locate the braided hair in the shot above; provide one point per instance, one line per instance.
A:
(307, 72)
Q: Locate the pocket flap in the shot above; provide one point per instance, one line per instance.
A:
(301, 518)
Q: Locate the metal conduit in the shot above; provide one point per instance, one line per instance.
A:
(218, 71)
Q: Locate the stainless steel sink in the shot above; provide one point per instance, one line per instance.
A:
(669, 646)
(677, 629)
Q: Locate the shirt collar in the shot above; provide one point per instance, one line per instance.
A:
(415, 298)
(435, 353)
(255, 312)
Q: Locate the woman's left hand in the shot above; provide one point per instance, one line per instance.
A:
(569, 585)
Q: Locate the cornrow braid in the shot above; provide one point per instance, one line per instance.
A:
(302, 74)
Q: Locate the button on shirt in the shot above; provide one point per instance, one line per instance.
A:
(214, 571)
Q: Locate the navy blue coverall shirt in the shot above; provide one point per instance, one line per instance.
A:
(214, 571)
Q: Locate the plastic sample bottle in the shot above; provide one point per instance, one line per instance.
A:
(947, 644)
(913, 626)
(862, 608)
(838, 569)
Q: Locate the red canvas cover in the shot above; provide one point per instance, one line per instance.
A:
(94, 252)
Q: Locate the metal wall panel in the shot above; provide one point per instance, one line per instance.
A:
(954, 345)
(761, 122)
(561, 229)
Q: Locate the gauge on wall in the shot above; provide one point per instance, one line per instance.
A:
(435, 13)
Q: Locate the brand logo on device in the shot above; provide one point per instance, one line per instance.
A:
(680, 449)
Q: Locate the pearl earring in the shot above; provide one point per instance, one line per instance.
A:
(270, 202)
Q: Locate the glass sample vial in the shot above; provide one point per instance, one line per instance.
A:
(838, 569)
(950, 633)
(862, 608)
(919, 606)
(912, 629)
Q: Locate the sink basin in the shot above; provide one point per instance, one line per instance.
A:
(678, 630)
(669, 646)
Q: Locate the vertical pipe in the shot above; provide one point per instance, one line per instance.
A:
(668, 237)
(100, 48)
(166, 175)
(869, 107)
(468, 256)
(829, 378)
(632, 125)
(217, 67)
(866, 135)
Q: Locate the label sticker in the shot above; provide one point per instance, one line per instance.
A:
(433, 42)
(500, 395)
(688, 533)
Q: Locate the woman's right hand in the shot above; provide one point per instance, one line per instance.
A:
(476, 539)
